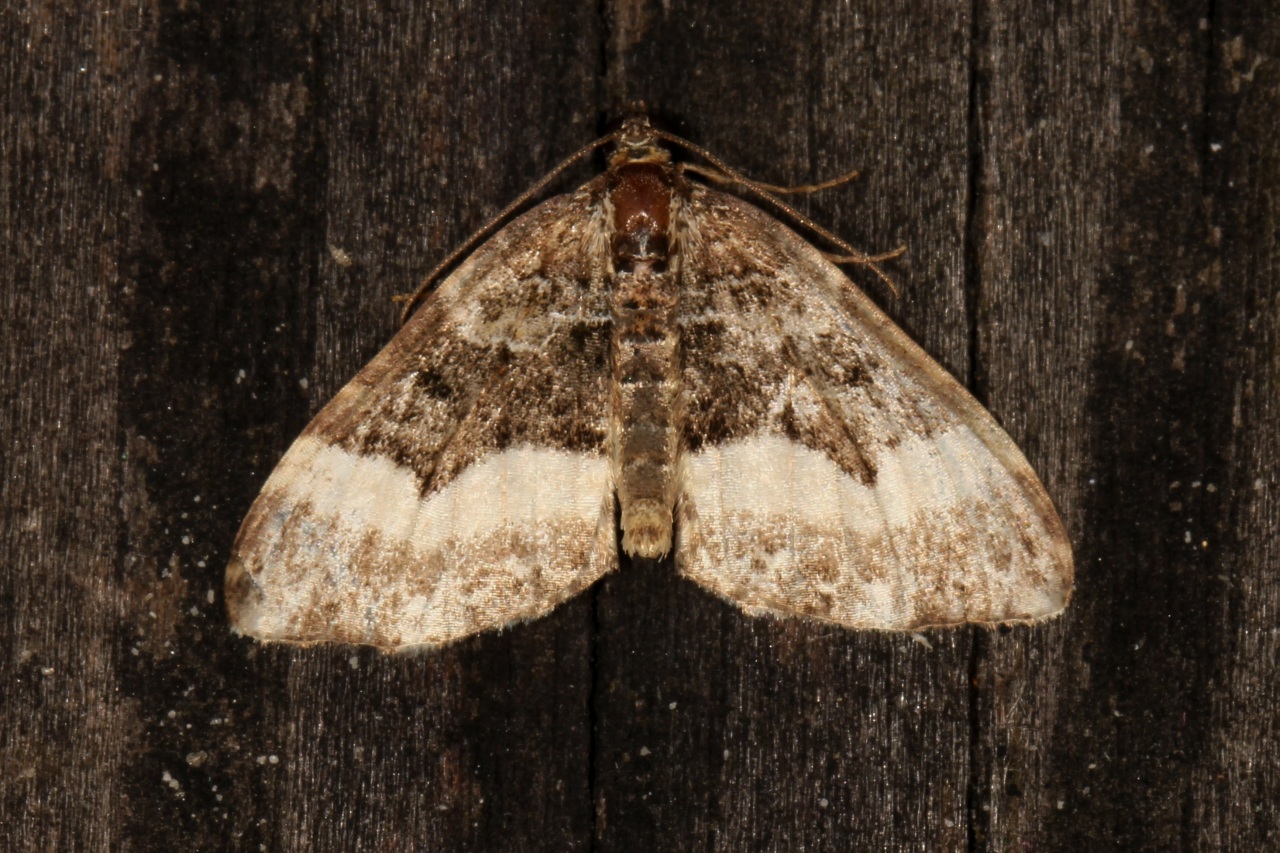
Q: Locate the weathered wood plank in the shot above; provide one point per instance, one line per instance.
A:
(205, 210)
(1047, 85)
(295, 193)
(69, 86)
(790, 736)
(1231, 324)
(486, 745)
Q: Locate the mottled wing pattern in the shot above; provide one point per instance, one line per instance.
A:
(832, 469)
(459, 482)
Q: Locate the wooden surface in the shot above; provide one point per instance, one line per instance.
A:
(205, 209)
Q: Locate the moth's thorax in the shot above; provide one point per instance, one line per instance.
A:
(646, 386)
(640, 195)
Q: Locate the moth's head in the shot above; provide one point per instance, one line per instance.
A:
(637, 142)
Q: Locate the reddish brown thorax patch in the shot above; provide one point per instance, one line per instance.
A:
(641, 196)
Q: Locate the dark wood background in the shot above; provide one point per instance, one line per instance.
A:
(206, 208)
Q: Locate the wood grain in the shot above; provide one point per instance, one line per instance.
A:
(206, 209)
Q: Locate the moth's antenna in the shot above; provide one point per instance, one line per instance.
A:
(763, 191)
(412, 301)
(721, 178)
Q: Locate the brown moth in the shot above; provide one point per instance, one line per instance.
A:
(651, 350)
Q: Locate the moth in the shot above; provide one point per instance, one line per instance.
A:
(649, 357)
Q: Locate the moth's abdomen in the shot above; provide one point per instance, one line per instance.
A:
(646, 389)
(646, 399)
